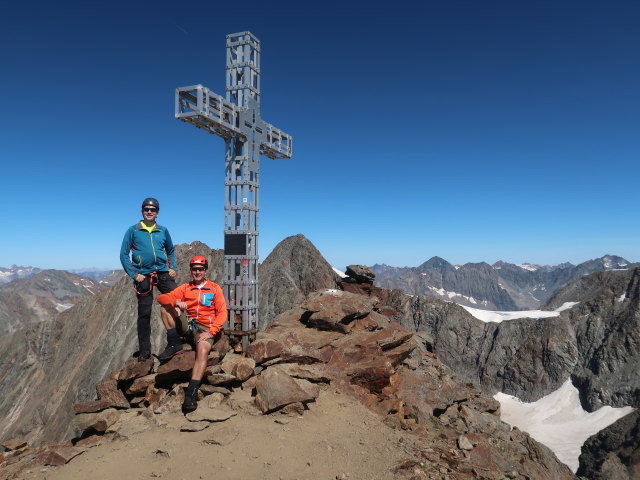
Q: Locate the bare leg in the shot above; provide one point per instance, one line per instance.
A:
(168, 314)
(202, 353)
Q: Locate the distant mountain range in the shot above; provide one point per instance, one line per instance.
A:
(33, 299)
(8, 274)
(501, 286)
(104, 276)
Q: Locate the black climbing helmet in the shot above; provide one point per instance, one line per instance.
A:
(151, 202)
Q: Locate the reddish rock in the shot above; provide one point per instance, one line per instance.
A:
(98, 422)
(171, 402)
(91, 407)
(302, 345)
(374, 377)
(219, 379)
(313, 373)
(213, 358)
(361, 274)
(397, 339)
(275, 389)
(108, 391)
(140, 385)
(207, 389)
(238, 366)
(222, 346)
(176, 369)
(263, 349)
(14, 444)
(335, 309)
(91, 441)
(356, 288)
(369, 323)
(153, 396)
(399, 354)
(60, 456)
(134, 369)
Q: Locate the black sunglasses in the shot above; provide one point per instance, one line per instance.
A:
(198, 269)
(150, 209)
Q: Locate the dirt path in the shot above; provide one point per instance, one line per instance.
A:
(337, 438)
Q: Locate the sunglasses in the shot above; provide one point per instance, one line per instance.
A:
(198, 269)
(150, 210)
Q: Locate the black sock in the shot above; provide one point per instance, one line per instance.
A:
(172, 336)
(192, 388)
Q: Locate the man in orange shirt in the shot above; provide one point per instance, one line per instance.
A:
(206, 309)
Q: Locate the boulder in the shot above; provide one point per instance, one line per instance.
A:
(59, 456)
(275, 389)
(133, 369)
(108, 392)
(335, 309)
(140, 385)
(14, 444)
(238, 366)
(177, 368)
(96, 422)
(360, 273)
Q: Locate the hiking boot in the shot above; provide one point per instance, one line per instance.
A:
(144, 355)
(170, 351)
(190, 403)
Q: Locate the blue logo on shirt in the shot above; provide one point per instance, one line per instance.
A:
(206, 299)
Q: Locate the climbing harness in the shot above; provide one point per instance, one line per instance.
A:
(153, 280)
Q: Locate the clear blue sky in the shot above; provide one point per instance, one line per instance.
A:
(475, 131)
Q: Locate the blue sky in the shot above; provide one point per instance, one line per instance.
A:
(475, 131)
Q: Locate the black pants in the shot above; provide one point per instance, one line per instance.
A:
(165, 284)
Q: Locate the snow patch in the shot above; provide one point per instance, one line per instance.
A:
(558, 420)
(342, 274)
(566, 306)
(528, 267)
(450, 295)
(501, 316)
(622, 297)
(497, 317)
(332, 292)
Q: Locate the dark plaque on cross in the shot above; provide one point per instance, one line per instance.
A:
(236, 118)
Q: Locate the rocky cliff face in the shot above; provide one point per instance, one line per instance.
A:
(614, 453)
(595, 342)
(501, 286)
(606, 325)
(527, 358)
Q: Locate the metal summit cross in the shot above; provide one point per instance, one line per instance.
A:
(246, 136)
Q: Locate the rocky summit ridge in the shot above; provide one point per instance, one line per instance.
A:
(336, 342)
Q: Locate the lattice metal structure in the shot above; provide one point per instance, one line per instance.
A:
(236, 118)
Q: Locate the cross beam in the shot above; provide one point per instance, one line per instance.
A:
(236, 118)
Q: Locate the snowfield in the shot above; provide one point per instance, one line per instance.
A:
(558, 420)
(497, 317)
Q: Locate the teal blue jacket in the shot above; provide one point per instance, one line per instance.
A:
(150, 251)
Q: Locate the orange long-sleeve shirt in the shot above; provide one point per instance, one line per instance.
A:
(205, 304)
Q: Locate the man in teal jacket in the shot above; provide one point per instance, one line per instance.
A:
(148, 257)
